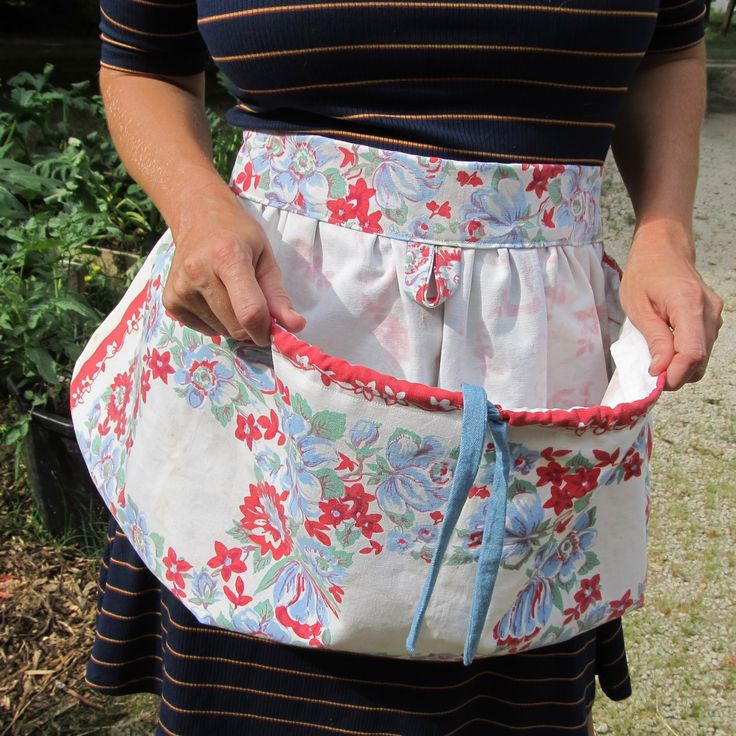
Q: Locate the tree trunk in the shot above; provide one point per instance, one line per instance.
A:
(727, 17)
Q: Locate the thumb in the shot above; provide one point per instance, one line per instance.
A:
(659, 337)
(280, 306)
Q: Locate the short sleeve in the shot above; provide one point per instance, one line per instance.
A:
(679, 25)
(152, 36)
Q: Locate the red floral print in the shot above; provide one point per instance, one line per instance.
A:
(246, 178)
(247, 430)
(270, 425)
(632, 464)
(369, 223)
(541, 176)
(335, 511)
(361, 193)
(340, 210)
(589, 591)
(160, 365)
(346, 463)
(559, 500)
(348, 157)
(145, 386)
(228, 559)
(552, 473)
(605, 458)
(620, 606)
(264, 520)
(437, 517)
(121, 387)
(175, 567)
(369, 524)
(581, 482)
(237, 597)
(439, 210)
(465, 179)
(359, 499)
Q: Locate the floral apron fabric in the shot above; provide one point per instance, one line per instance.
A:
(449, 461)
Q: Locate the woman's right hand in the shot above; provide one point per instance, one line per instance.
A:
(224, 279)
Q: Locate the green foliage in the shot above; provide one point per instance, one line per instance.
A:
(64, 194)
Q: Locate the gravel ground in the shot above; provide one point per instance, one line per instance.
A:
(682, 644)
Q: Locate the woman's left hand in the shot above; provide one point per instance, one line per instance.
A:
(667, 300)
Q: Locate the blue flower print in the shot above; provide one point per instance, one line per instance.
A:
(579, 212)
(205, 590)
(529, 613)
(247, 621)
(263, 150)
(203, 377)
(524, 518)
(522, 459)
(105, 466)
(298, 173)
(405, 478)
(499, 210)
(395, 182)
(364, 433)
(400, 541)
(569, 555)
(255, 366)
(136, 528)
(305, 453)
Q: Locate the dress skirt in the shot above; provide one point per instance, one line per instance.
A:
(421, 275)
(213, 681)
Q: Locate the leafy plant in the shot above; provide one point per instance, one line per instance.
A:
(64, 194)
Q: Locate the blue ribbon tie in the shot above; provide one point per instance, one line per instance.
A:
(478, 413)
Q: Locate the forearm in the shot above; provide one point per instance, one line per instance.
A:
(656, 147)
(656, 143)
(161, 132)
(224, 279)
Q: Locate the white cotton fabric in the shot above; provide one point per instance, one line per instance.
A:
(531, 325)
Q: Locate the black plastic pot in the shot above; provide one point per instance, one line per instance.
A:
(67, 499)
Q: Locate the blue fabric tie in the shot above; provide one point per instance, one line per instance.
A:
(478, 413)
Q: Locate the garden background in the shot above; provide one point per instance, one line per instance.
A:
(64, 195)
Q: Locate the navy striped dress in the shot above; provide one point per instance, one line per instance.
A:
(221, 682)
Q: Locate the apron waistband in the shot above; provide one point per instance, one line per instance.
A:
(421, 199)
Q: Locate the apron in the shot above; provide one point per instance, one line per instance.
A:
(450, 461)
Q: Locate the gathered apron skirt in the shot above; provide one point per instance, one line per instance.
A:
(449, 462)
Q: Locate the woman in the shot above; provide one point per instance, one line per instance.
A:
(543, 88)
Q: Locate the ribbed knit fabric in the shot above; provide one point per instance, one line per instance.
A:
(219, 682)
(522, 81)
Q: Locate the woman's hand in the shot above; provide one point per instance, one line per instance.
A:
(224, 279)
(668, 301)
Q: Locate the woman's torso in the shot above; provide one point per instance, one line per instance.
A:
(524, 81)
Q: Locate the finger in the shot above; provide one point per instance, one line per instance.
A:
(692, 346)
(201, 306)
(247, 301)
(216, 302)
(189, 319)
(658, 335)
(280, 305)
